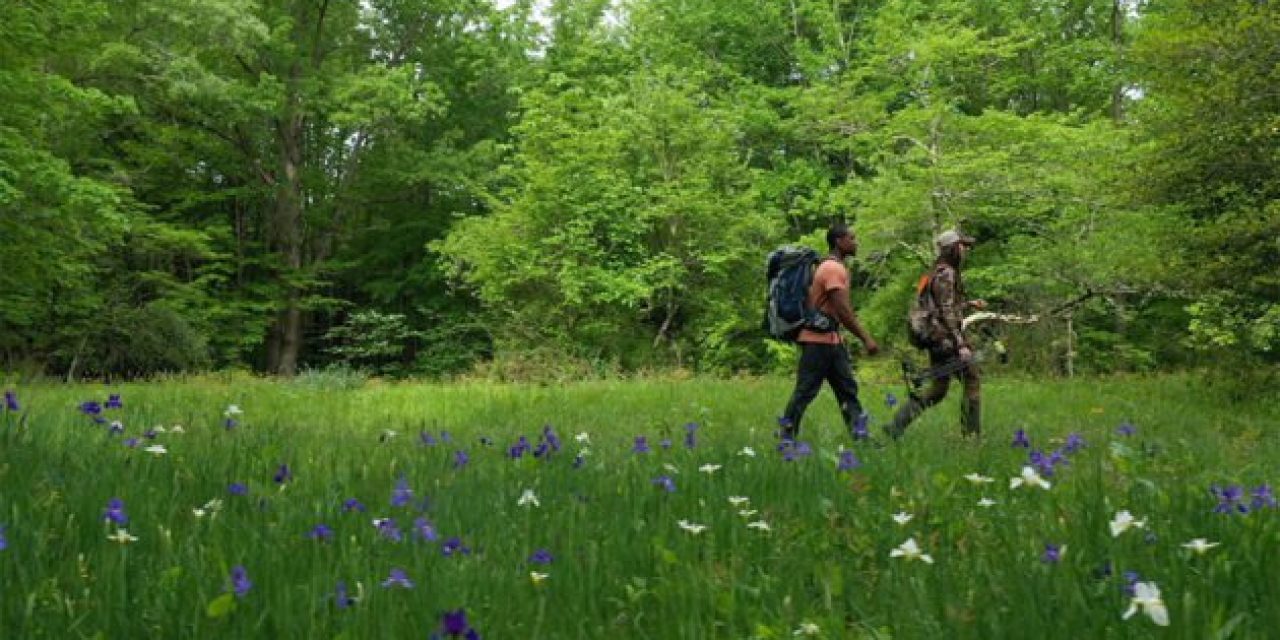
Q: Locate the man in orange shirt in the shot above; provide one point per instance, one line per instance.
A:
(822, 353)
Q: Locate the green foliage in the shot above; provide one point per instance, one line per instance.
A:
(131, 342)
(602, 190)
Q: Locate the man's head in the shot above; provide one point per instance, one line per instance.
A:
(841, 239)
(953, 246)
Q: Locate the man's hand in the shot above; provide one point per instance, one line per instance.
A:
(966, 355)
(978, 304)
(871, 345)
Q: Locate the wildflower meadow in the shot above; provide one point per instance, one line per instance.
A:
(233, 507)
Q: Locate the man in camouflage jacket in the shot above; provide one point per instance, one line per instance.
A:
(947, 290)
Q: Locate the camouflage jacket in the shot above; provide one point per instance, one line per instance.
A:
(948, 297)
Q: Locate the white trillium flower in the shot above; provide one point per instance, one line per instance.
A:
(747, 513)
(528, 498)
(986, 502)
(583, 437)
(1123, 522)
(671, 468)
(759, 524)
(911, 551)
(978, 478)
(902, 517)
(709, 468)
(1030, 478)
(177, 428)
(158, 429)
(693, 528)
(1146, 598)
(538, 578)
(232, 411)
(807, 629)
(1200, 545)
(748, 452)
(156, 449)
(389, 434)
(122, 536)
(738, 501)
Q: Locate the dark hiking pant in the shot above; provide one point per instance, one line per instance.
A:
(818, 362)
(970, 404)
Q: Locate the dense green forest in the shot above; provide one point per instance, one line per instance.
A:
(427, 187)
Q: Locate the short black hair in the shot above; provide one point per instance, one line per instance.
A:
(837, 231)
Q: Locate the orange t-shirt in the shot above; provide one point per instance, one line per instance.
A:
(831, 278)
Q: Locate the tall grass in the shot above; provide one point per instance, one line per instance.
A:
(621, 565)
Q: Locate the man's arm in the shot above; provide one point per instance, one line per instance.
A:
(844, 313)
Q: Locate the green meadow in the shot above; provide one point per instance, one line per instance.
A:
(247, 530)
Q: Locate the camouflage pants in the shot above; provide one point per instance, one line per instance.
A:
(970, 403)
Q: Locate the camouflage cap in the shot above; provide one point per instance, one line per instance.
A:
(950, 237)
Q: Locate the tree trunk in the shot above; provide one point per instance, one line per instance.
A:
(287, 239)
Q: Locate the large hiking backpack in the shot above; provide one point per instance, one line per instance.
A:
(923, 331)
(789, 272)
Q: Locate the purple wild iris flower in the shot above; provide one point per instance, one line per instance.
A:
(520, 448)
(1126, 429)
(665, 443)
(454, 546)
(387, 527)
(341, 597)
(797, 450)
(1052, 554)
(455, 625)
(1262, 497)
(1230, 499)
(237, 489)
(230, 423)
(4, 542)
(402, 494)
(351, 504)
(397, 578)
(91, 408)
(690, 435)
(113, 402)
(1075, 442)
(445, 437)
(666, 483)
(283, 474)
(1043, 463)
(426, 439)
(890, 400)
(115, 512)
(321, 532)
(425, 530)
(549, 436)
(859, 429)
(578, 461)
(240, 583)
(542, 449)
(541, 556)
(641, 445)
(1131, 578)
(1020, 439)
(149, 434)
(131, 442)
(848, 461)
(460, 459)
(11, 401)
